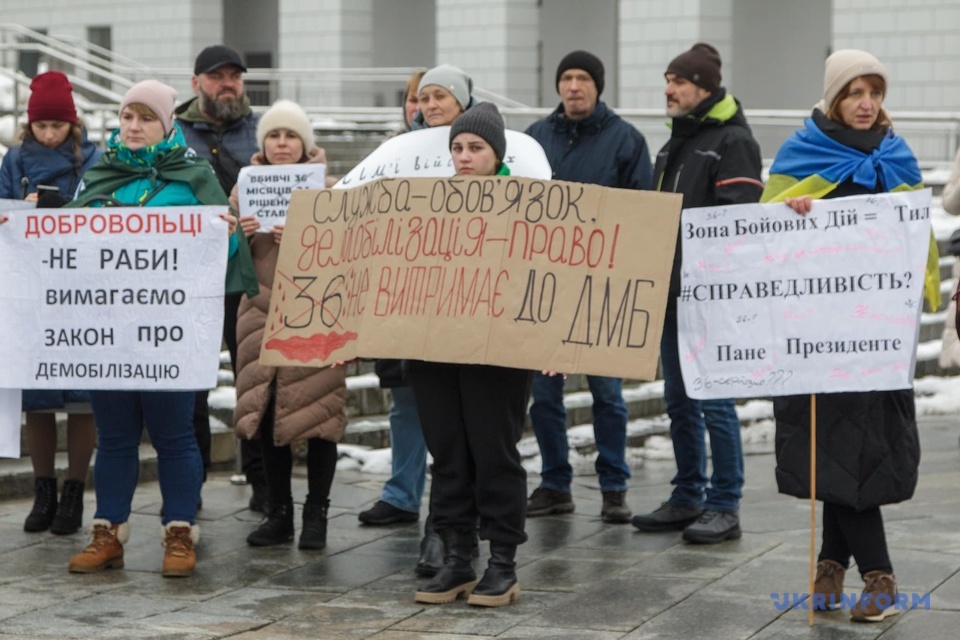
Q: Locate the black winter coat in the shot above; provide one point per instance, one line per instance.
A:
(711, 159)
(868, 447)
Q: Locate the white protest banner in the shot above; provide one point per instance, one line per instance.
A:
(425, 153)
(118, 298)
(10, 423)
(773, 303)
(264, 190)
(6, 204)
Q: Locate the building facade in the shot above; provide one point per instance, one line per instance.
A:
(773, 50)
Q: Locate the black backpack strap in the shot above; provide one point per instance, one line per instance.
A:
(224, 163)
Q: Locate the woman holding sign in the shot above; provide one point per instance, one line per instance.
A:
(472, 417)
(869, 452)
(148, 163)
(281, 404)
(53, 155)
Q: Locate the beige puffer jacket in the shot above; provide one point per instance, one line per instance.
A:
(309, 401)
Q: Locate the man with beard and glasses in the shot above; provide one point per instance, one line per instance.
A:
(220, 126)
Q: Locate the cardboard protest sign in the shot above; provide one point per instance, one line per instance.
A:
(264, 190)
(425, 153)
(498, 270)
(119, 298)
(10, 423)
(773, 303)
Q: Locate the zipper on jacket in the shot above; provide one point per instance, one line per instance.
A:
(676, 179)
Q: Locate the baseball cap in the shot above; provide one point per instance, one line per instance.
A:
(214, 57)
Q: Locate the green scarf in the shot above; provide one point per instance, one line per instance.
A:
(170, 160)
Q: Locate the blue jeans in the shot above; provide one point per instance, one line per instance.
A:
(688, 419)
(168, 415)
(549, 418)
(404, 489)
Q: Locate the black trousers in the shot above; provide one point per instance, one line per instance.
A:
(251, 460)
(278, 464)
(847, 532)
(472, 417)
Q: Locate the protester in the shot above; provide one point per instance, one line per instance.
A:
(402, 493)
(711, 159)
(871, 454)
(585, 141)
(281, 404)
(472, 417)
(444, 93)
(148, 163)
(220, 126)
(53, 154)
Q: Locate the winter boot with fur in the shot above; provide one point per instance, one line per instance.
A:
(44, 505)
(70, 511)
(106, 549)
(179, 557)
(499, 584)
(456, 576)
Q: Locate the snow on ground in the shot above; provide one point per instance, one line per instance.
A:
(935, 396)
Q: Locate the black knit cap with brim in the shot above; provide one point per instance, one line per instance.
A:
(582, 60)
(483, 120)
(700, 65)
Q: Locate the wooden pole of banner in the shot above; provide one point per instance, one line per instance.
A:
(813, 502)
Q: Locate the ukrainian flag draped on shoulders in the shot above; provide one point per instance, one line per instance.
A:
(811, 163)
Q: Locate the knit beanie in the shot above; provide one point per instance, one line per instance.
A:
(451, 78)
(844, 66)
(582, 60)
(484, 120)
(51, 98)
(155, 95)
(285, 114)
(700, 65)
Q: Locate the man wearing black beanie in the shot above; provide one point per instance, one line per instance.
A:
(711, 159)
(585, 141)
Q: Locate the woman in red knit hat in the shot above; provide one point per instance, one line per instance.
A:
(54, 153)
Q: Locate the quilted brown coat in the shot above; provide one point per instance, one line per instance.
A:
(309, 401)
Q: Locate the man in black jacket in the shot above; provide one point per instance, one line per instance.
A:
(712, 159)
(585, 141)
(219, 125)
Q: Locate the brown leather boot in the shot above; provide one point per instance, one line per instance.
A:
(105, 551)
(179, 557)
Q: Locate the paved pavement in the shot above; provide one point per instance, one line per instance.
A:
(580, 578)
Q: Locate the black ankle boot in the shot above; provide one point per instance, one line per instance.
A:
(431, 551)
(314, 533)
(276, 529)
(44, 505)
(70, 512)
(499, 584)
(456, 576)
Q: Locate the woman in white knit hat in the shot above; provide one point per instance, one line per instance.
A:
(870, 453)
(281, 404)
